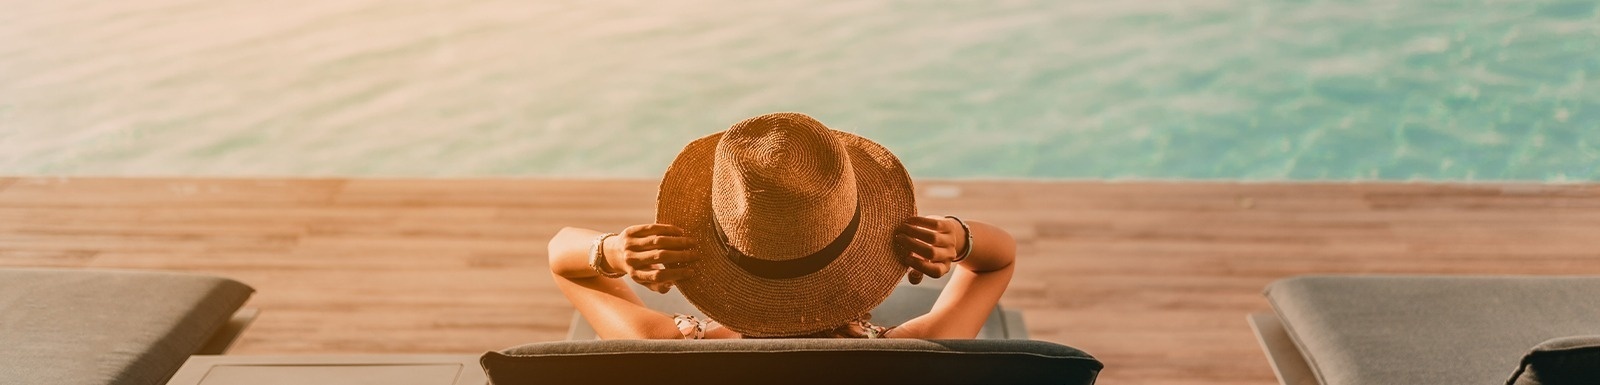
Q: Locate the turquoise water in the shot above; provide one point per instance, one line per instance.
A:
(1258, 90)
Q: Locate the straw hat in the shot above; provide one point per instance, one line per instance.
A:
(793, 222)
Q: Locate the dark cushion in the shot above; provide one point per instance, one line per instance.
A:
(1562, 361)
(1429, 329)
(794, 361)
(107, 327)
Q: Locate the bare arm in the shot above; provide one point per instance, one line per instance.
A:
(976, 283)
(608, 303)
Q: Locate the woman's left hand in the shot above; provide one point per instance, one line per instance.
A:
(929, 245)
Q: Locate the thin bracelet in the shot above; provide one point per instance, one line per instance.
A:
(966, 249)
(597, 256)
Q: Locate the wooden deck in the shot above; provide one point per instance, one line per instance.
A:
(1153, 278)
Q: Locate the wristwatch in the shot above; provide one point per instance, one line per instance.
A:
(597, 257)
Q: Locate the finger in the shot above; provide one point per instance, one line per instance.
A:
(648, 259)
(670, 276)
(659, 242)
(662, 276)
(945, 253)
(925, 221)
(646, 277)
(914, 276)
(924, 266)
(631, 230)
(659, 287)
(928, 268)
(921, 233)
(652, 229)
(915, 246)
(941, 251)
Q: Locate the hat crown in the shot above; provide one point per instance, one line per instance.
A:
(782, 186)
(769, 287)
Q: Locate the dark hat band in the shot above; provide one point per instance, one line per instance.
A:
(792, 268)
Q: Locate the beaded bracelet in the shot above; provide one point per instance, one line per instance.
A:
(597, 257)
(966, 249)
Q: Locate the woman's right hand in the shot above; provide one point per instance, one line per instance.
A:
(930, 244)
(654, 255)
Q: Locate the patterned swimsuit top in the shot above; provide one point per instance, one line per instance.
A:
(694, 328)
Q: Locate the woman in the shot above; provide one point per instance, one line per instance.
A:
(781, 227)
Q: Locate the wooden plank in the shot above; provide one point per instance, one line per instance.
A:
(1152, 277)
(165, 192)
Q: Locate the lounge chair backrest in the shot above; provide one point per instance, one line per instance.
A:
(792, 361)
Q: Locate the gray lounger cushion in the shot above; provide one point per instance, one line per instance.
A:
(1562, 361)
(1429, 329)
(107, 327)
(792, 361)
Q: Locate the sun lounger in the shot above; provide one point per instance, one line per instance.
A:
(792, 361)
(111, 327)
(1417, 330)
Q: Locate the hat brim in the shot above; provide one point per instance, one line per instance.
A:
(849, 287)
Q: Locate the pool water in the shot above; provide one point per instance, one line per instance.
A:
(1158, 89)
